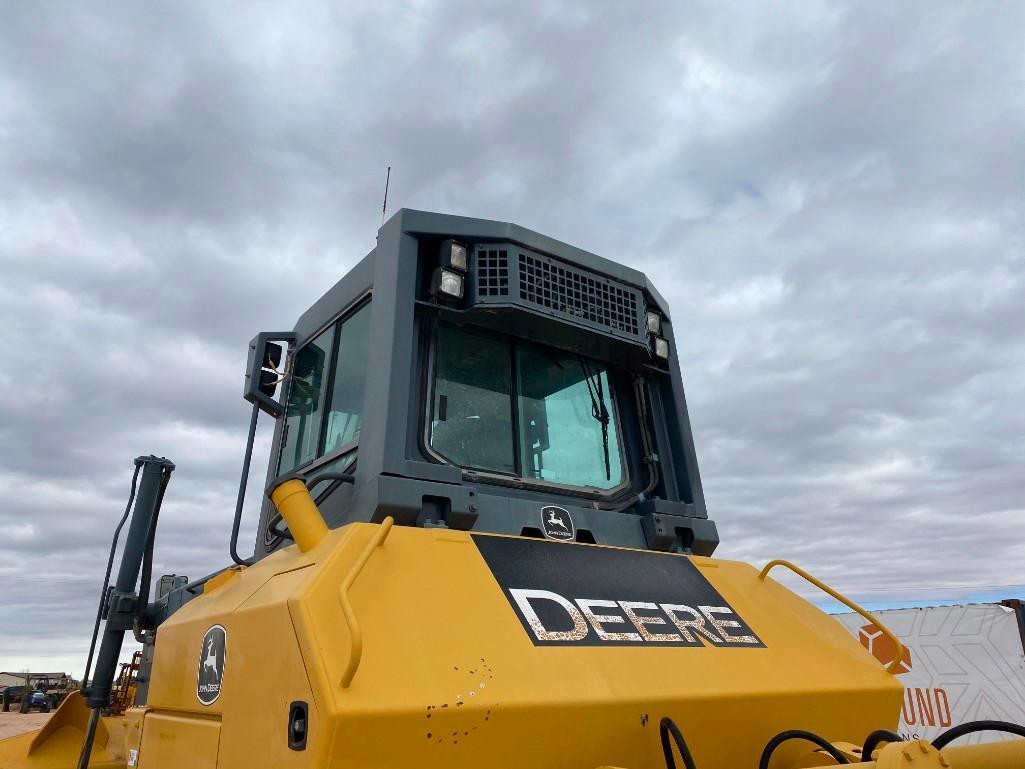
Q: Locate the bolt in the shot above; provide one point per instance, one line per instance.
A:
(473, 508)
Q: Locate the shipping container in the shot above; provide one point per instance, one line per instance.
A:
(960, 663)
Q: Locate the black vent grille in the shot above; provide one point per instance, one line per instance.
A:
(507, 274)
(492, 272)
(558, 287)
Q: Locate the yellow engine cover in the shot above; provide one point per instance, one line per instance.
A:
(488, 651)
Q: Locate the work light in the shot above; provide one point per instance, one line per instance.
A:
(447, 284)
(654, 321)
(453, 255)
(661, 348)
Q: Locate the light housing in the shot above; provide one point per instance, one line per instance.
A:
(447, 284)
(454, 255)
(654, 321)
(661, 348)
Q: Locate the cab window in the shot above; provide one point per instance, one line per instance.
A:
(523, 409)
(324, 409)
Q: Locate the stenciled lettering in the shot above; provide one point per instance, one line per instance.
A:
(641, 622)
(695, 623)
(722, 624)
(523, 599)
(628, 621)
(597, 620)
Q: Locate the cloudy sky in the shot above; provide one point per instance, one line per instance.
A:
(830, 195)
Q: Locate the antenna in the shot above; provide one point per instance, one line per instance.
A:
(384, 206)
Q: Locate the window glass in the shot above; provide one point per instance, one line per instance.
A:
(305, 407)
(568, 431)
(345, 411)
(471, 423)
(565, 424)
(342, 464)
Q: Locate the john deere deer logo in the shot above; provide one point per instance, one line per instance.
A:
(882, 648)
(212, 658)
(556, 523)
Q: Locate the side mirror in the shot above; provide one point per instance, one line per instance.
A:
(262, 377)
(272, 355)
(268, 382)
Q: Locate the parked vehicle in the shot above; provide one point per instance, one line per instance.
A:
(37, 700)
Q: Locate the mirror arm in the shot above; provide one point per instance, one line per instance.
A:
(237, 523)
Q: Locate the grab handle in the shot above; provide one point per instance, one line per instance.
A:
(898, 654)
(355, 632)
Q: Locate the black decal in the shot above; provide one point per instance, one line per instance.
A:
(557, 523)
(602, 596)
(212, 657)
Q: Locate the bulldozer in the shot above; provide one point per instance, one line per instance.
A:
(483, 543)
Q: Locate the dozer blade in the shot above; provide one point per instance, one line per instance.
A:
(58, 744)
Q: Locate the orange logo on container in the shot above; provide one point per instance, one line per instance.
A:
(882, 648)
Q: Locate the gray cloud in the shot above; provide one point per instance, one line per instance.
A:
(831, 197)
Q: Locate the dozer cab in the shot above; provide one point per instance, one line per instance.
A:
(484, 543)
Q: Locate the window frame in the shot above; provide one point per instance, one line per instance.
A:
(517, 479)
(334, 324)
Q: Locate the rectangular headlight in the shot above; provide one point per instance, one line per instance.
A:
(447, 284)
(661, 348)
(453, 255)
(654, 321)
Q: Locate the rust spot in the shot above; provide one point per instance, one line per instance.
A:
(428, 715)
(428, 735)
(445, 705)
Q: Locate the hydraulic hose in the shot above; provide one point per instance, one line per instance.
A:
(666, 727)
(799, 734)
(875, 738)
(976, 726)
(106, 578)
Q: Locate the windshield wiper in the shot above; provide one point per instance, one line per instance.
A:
(598, 409)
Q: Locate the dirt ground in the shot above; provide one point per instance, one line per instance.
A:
(16, 723)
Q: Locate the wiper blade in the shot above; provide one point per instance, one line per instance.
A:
(598, 409)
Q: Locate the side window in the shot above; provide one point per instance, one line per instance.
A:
(345, 413)
(305, 407)
(325, 400)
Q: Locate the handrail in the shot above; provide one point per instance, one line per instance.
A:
(898, 654)
(355, 632)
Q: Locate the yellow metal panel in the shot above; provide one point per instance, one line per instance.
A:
(171, 741)
(263, 669)
(449, 678)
